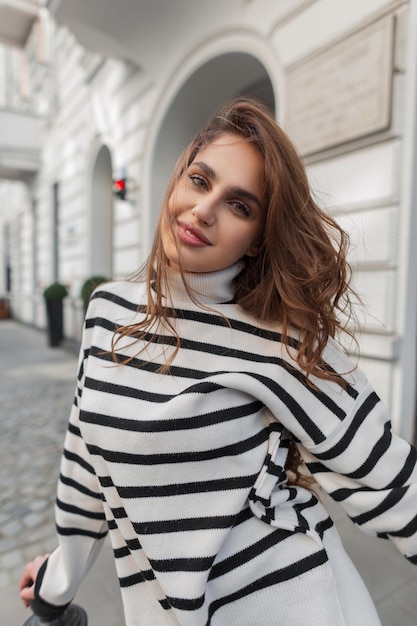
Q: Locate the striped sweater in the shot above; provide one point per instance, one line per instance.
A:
(185, 470)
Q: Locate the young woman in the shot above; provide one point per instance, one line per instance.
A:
(203, 384)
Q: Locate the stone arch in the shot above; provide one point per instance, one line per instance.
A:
(101, 224)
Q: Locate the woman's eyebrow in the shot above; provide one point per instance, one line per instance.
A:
(238, 191)
(209, 171)
(244, 193)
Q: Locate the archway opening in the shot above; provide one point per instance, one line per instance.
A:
(101, 230)
(221, 78)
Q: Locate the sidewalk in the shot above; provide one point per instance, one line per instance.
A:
(36, 392)
(36, 389)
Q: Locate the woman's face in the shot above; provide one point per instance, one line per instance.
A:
(216, 208)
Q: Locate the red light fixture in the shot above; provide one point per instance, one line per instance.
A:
(119, 188)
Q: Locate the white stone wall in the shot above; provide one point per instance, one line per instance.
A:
(360, 182)
(89, 113)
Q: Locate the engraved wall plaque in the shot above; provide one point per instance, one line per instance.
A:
(343, 92)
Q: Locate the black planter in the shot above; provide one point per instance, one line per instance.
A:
(55, 316)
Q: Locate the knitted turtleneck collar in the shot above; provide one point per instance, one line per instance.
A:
(209, 288)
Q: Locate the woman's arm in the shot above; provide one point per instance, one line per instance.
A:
(80, 519)
(371, 472)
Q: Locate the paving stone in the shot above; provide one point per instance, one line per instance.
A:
(5, 579)
(12, 559)
(11, 528)
(7, 543)
(18, 511)
(39, 505)
(16, 574)
(36, 387)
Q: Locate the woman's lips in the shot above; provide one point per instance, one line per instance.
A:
(192, 236)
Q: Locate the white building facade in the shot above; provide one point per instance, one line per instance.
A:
(95, 90)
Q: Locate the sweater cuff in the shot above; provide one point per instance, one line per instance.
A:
(40, 607)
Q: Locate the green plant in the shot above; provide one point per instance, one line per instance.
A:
(89, 285)
(55, 291)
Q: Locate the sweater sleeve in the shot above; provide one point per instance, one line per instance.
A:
(80, 519)
(370, 471)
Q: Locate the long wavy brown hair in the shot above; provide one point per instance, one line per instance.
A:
(300, 276)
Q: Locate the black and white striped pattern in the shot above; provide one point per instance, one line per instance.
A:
(185, 470)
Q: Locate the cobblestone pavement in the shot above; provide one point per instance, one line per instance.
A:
(36, 389)
(36, 392)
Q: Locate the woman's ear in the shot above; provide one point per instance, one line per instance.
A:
(254, 248)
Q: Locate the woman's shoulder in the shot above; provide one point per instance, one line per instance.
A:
(120, 293)
(341, 361)
(119, 287)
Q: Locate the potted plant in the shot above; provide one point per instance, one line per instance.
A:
(54, 295)
(4, 309)
(88, 287)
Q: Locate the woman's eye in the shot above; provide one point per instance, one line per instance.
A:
(241, 208)
(198, 181)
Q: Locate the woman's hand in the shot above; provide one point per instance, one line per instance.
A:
(27, 580)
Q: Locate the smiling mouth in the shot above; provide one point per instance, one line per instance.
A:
(192, 236)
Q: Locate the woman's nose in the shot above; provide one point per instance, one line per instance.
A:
(205, 213)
